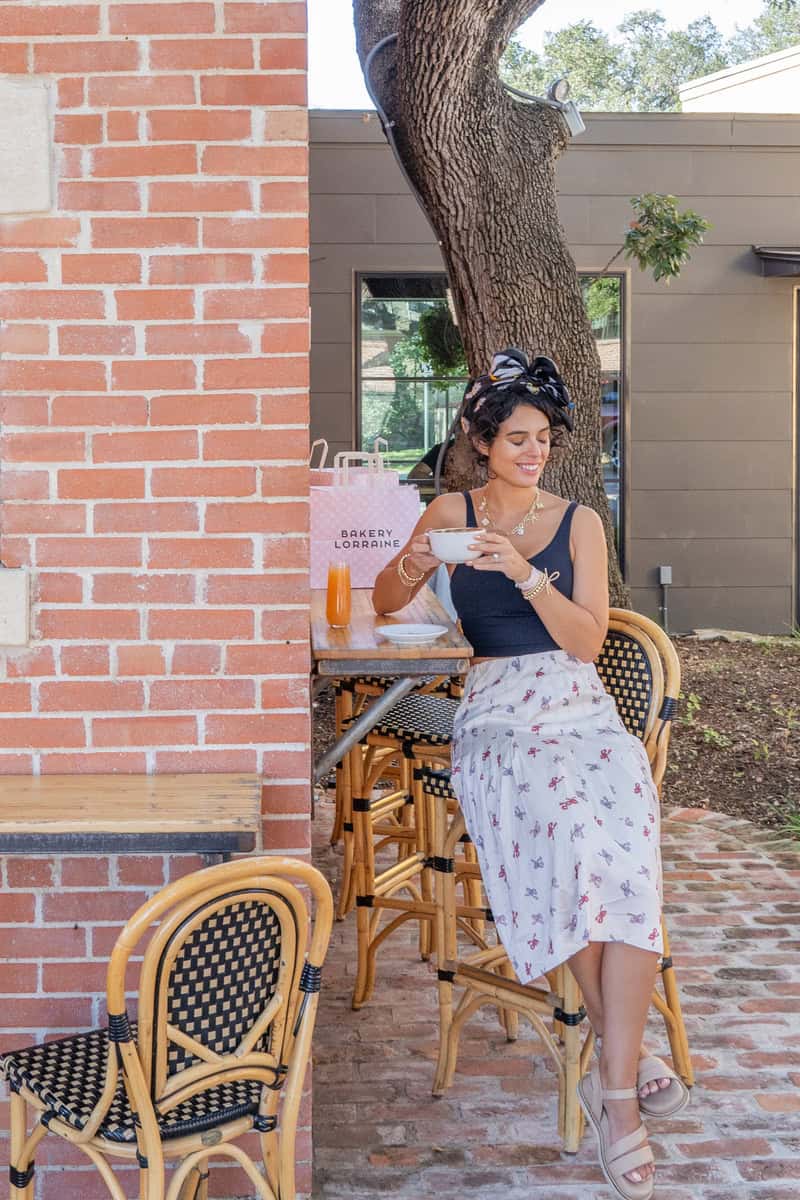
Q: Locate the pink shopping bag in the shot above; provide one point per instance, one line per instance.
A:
(363, 525)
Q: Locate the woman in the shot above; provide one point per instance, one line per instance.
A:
(557, 796)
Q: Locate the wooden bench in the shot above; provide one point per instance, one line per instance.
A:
(110, 814)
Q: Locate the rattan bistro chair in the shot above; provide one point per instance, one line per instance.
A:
(417, 730)
(381, 762)
(227, 1002)
(640, 669)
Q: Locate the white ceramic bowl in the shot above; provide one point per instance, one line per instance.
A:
(450, 545)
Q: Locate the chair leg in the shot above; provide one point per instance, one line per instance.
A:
(448, 1049)
(20, 1163)
(195, 1186)
(570, 1113)
(509, 1017)
(427, 932)
(678, 1040)
(338, 818)
(346, 896)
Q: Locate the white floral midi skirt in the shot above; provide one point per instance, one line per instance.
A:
(560, 803)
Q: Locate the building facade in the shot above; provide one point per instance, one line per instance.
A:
(704, 371)
(154, 263)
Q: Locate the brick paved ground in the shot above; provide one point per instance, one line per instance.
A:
(733, 895)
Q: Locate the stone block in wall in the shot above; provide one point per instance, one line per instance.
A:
(24, 146)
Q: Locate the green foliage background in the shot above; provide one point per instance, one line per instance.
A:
(641, 67)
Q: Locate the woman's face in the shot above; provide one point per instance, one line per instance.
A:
(522, 446)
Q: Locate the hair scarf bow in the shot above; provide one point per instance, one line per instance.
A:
(510, 367)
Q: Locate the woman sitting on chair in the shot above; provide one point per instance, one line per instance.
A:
(557, 796)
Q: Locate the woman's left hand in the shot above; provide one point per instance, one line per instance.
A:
(499, 555)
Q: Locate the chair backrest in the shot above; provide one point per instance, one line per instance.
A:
(225, 979)
(641, 671)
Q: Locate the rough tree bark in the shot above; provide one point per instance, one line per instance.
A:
(484, 166)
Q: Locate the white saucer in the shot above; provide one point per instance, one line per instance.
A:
(407, 634)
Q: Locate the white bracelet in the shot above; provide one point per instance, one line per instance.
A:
(531, 581)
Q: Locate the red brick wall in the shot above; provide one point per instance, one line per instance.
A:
(154, 429)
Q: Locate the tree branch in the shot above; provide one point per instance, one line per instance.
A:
(493, 21)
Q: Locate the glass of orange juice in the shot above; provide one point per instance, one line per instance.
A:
(338, 598)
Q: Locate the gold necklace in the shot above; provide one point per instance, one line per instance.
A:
(528, 519)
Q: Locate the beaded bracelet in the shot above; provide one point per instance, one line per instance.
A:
(543, 584)
(525, 584)
(406, 579)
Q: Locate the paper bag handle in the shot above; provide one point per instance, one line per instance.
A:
(345, 458)
(324, 456)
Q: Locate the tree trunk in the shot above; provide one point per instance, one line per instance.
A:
(484, 166)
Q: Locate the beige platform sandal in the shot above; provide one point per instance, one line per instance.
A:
(666, 1102)
(627, 1153)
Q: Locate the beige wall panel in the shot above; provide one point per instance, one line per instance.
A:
(717, 172)
(667, 317)
(700, 367)
(701, 171)
(757, 610)
(749, 219)
(331, 366)
(356, 170)
(345, 125)
(332, 418)
(574, 212)
(331, 318)
(332, 267)
(732, 514)
(710, 416)
(613, 130)
(343, 219)
(754, 129)
(625, 172)
(735, 220)
(712, 269)
(706, 562)
(657, 466)
(400, 219)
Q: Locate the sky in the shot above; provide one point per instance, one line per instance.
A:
(335, 79)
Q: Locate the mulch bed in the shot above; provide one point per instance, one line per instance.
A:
(735, 745)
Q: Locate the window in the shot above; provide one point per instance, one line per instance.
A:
(412, 369)
(412, 366)
(603, 299)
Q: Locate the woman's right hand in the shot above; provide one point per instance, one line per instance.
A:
(420, 556)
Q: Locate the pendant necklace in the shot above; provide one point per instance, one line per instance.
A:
(528, 519)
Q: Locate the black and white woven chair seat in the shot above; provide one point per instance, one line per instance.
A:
(435, 783)
(420, 720)
(68, 1077)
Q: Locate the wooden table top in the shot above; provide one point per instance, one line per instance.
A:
(360, 642)
(94, 811)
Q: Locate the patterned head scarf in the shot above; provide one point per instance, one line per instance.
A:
(511, 369)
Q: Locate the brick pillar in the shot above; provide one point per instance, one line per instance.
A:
(154, 432)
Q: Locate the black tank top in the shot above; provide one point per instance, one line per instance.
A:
(495, 616)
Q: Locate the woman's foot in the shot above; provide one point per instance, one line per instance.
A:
(623, 1118)
(625, 1155)
(647, 1089)
(655, 1085)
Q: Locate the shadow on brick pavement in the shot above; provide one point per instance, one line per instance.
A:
(733, 906)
